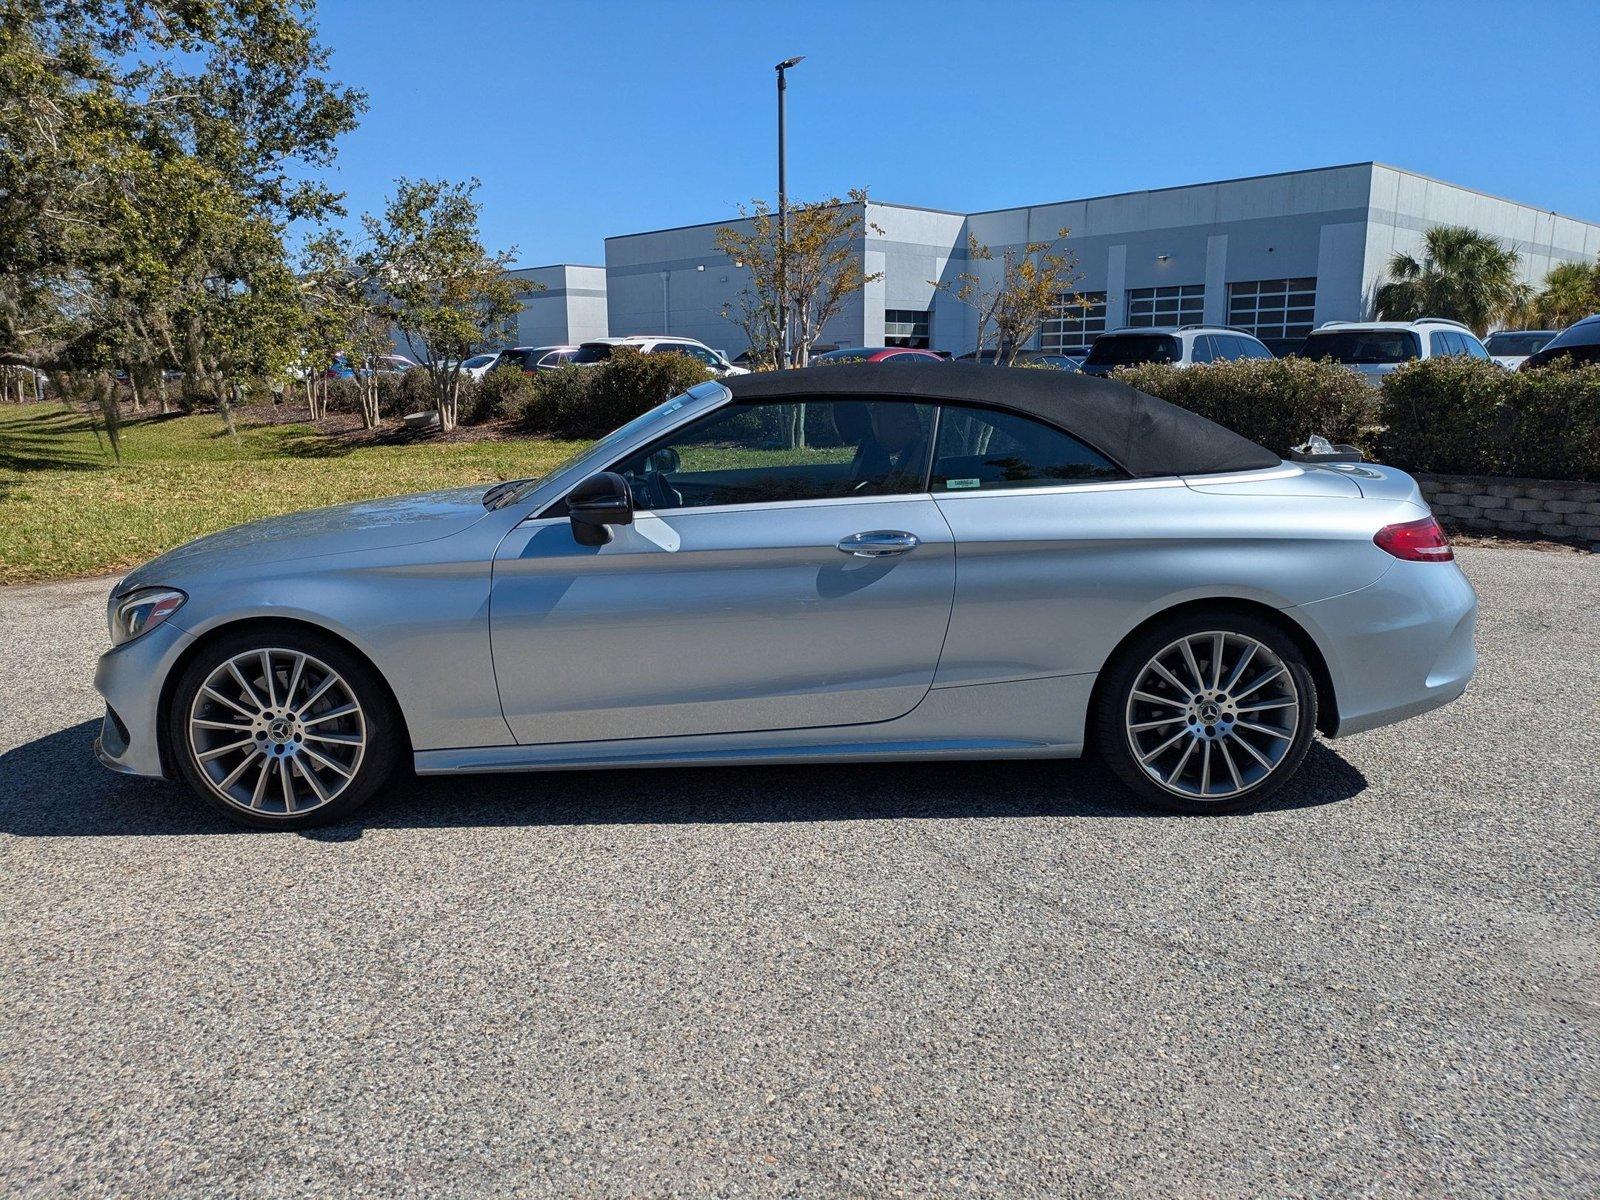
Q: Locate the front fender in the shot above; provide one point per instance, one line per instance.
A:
(422, 622)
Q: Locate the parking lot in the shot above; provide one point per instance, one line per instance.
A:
(829, 981)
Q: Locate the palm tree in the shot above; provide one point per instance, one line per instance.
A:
(1463, 274)
(1571, 292)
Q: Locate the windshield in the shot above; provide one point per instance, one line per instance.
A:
(1511, 344)
(1361, 347)
(1129, 349)
(700, 391)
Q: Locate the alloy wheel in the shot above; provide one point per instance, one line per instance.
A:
(277, 732)
(1212, 715)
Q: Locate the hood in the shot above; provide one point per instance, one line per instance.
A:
(342, 529)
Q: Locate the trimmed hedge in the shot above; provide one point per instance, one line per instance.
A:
(1447, 416)
(1463, 416)
(591, 401)
(1277, 402)
(503, 392)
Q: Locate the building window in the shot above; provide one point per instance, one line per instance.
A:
(1183, 304)
(1275, 310)
(1074, 323)
(906, 327)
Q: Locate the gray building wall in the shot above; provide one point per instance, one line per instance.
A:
(1338, 225)
(1403, 206)
(676, 281)
(673, 281)
(571, 307)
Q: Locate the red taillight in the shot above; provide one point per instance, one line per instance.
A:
(1415, 541)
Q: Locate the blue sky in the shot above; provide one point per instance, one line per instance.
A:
(589, 119)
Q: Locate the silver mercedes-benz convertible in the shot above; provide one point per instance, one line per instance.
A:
(840, 564)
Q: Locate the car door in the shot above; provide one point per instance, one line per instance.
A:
(785, 569)
(1044, 525)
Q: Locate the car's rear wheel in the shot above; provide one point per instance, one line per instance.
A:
(1208, 713)
(282, 729)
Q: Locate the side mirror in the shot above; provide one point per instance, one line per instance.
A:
(599, 501)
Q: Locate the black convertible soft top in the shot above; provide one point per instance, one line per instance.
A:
(1144, 436)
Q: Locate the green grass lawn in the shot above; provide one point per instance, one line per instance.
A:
(68, 508)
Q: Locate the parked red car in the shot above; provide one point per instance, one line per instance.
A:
(900, 355)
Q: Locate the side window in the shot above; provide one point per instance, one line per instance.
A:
(1205, 349)
(905, 359)
(981, 449)
(767, 453)
(1472, 346)
(1444, 343)
(1248, 348)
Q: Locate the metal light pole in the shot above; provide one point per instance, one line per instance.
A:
(783, 218)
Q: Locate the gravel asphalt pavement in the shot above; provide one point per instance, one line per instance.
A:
(932, 980)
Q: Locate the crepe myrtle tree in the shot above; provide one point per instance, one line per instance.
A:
(821, 268)
(448, 296)
(341, 315)
(1012, 304)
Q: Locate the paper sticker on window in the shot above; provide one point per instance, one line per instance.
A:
(963, 483)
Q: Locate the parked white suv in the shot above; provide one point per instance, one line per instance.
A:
(1377, 348)
(1182, 346)
(601, 349)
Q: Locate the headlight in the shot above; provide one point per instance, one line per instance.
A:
(141, 611)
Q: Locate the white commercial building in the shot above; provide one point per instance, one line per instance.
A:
(1271, 254)
(562, 304)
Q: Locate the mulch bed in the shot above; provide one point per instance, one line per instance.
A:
(344, 428)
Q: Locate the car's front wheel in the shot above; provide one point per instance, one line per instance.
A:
(282, 729)
(1208, 713)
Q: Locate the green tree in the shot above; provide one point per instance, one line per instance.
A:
(341, 314)
(1012, 303)
(821, 261)
(447, 295)
(151, 157)
(1571, 292)
(1463, 274)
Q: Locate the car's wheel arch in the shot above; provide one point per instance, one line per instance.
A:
(1327, 698)
(264, 625)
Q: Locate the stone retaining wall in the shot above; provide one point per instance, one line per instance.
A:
(1551, 508)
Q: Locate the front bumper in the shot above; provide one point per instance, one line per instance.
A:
(130, 677)
(1398, 647)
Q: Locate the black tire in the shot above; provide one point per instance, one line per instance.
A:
(380, 725)
(1114, 712)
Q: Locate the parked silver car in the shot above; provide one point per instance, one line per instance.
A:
(837, 564)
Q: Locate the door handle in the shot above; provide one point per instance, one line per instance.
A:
(877, 543)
